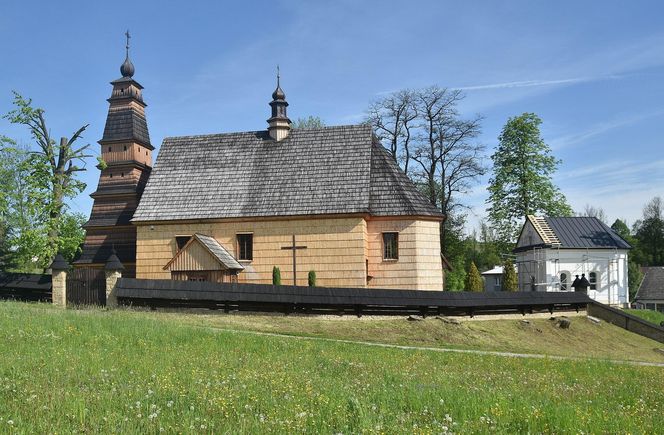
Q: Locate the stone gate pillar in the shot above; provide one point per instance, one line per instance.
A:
(113, 271)
(59, 269)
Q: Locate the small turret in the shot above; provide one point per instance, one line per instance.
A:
(279, 125)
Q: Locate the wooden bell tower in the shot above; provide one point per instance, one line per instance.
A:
(127, 155)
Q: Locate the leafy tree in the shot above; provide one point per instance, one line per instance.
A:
(634, 275)
(521, 183)
(621, 228)
(510, 282)
(455, 280)
(650, 233)
(474, 281)
(276, 276)
(309, 122)
(52, 177)
(634, 278)
(311, 278)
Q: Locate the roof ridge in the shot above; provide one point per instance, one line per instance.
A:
(254, 132)
(544, 230)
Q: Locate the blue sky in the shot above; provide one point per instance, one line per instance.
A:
(593, 71)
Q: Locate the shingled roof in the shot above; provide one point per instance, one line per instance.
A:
(126, 124)
(652, 286)
(328, 170)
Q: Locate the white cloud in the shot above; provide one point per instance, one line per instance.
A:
(536, 83)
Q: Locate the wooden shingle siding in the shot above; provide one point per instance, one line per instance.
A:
(337, 249)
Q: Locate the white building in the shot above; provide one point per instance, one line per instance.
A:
(551, 252)
(493, 279)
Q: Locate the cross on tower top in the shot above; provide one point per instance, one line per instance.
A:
(127, 46)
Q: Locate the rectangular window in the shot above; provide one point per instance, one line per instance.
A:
(245, 247)
(180, 241)
(390, 246)
(592, 279)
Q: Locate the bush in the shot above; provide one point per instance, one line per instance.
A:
(474, 281)
(312, 278)
(510, 281)
(276, 276)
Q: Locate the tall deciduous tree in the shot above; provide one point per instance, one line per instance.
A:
(521, 183)
(650, 233)
(52, 173)
(474, 281)
(394, 120)
(435, 145)
(510, 282)
(634, 274)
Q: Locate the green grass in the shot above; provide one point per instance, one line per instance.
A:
(540, 336)
(121, 371)
(651, 316)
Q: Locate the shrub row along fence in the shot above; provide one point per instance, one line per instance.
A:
(25, 287)
(326, 300)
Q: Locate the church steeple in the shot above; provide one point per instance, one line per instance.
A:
(278, 124)
(126, 152)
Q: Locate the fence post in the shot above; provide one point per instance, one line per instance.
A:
(113, 271)
(59, 269)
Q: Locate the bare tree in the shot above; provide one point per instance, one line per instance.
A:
(446, 149)
(393, 120)
(596, 212)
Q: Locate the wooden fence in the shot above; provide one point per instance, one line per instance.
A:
(25, 287)
(326, 300)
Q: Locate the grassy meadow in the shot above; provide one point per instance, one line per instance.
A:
(651, 316)
(64, 371)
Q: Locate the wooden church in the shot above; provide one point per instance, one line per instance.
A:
(231, 206)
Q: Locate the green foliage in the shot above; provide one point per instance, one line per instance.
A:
(309, 122)
(634, 274)
(276, 276)
(48, 178)
(455, 280)
(521, 182)
(651, 316)
(510, 282)
(649, 232)
(101, 163)
(311, 278)
(474, 282)
(634, 278)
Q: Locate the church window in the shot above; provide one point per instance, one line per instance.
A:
(110, 175)
(245, 247)
(109, 149)
(592, 279)
(390, 246)
(563, 281)
(180, 241)
(125, 147)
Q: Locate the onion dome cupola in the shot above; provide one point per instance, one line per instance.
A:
(279, 125)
